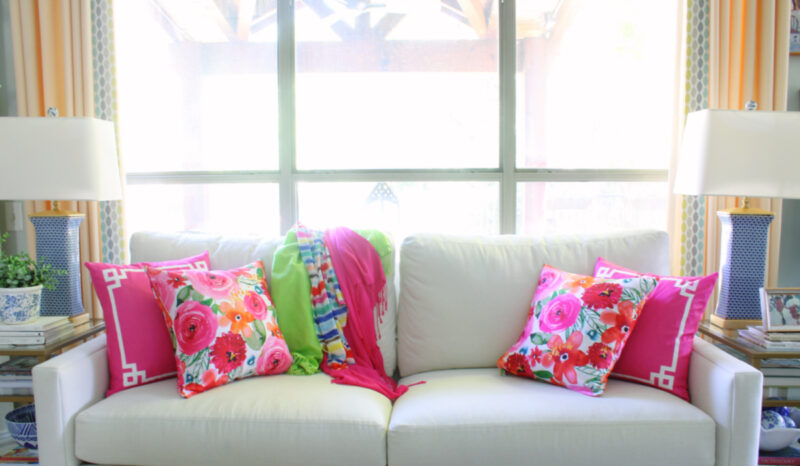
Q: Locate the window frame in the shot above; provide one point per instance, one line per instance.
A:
(507, 175)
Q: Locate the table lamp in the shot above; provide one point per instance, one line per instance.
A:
(749, 154)
(59, 158)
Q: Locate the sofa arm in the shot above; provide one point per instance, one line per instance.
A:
(729, 391)
(62, 387)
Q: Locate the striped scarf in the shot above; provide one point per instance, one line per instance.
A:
(327, 302)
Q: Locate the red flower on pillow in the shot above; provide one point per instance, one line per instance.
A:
(564, 356)
(518, 364)
(228, 352)
(195, 327)
(602, 295)
(275, 357)
(559, 313)
(535, 356)
(255, 305)
(600, 356)
(181, 366)
(176, 279)
(209, 381)
(622, 323)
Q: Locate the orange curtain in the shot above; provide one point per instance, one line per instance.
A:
(53, 65)
(749, 45)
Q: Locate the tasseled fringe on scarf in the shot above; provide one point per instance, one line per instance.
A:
(382, 307)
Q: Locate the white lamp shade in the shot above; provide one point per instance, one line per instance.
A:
(740, 153)
(58, 159)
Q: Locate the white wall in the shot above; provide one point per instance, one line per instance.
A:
(790, 231)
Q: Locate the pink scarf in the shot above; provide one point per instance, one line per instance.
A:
(362, 281)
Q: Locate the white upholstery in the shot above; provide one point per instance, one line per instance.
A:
(465, 300)
(281, 420)
(62, 387)
(480, 417)
(730, 392)
(226, 252)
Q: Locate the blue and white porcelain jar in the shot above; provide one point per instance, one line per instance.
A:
(19, 305)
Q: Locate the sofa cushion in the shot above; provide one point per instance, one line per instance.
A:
(577, 328)
(478, 416)
(228, 252)
(452, 289)
(282, 419)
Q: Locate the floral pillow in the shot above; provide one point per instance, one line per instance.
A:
(222, 325)
(576, 329)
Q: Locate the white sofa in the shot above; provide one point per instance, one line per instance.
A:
(462, 302)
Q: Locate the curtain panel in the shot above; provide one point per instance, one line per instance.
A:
(736, 51)
(63, 58)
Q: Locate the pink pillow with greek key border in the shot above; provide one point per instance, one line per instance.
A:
(139, 346)
(660, 348)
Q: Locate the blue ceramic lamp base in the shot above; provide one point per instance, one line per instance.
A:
(742, 268)
(57, 243)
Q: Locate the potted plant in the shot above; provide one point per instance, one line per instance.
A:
(21, 283)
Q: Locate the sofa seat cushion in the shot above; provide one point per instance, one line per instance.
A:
(280, 419)
(478, 416)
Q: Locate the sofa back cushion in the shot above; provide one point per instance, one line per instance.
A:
(227, 252)
(464, 300)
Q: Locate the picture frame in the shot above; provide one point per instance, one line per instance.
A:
(780, 309)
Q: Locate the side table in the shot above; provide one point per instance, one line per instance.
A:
(753, 353)
(47, 350)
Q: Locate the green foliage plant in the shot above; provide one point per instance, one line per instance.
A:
(20, 271)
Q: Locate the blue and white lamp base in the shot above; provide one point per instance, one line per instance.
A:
(57, 243)
(743, 260)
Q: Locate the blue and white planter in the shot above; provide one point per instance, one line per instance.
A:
(19, 305)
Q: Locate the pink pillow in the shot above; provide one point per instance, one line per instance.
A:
(139, 346)
(659, 351)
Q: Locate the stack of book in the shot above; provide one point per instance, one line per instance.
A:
(781, 376)
(39, 331)
(771, 340)
(15, 375)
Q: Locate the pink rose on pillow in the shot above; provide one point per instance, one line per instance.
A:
(195, 327)
(162, 287)
(217, 284)
(559, 313)
(255, 305)
(275, 357)
(549, 281)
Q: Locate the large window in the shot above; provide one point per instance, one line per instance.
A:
(461, 116)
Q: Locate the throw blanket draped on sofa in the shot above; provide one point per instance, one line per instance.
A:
(305, 291)
(362, 281)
